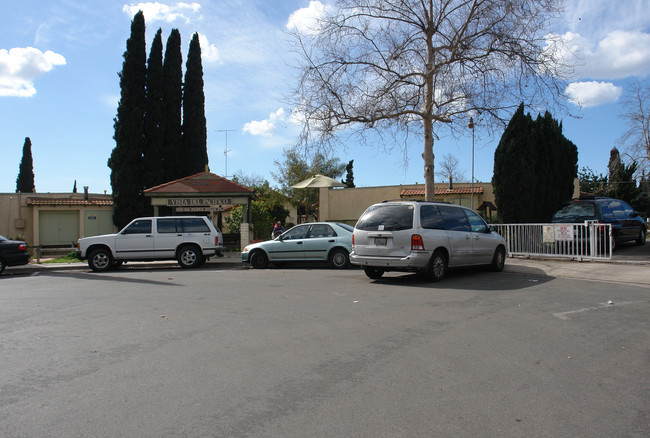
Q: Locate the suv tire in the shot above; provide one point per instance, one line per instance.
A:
(189, 256)
(100, 260)
(641, 239)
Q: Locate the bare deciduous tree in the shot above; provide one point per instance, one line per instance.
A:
(450, 169)
(636, 139)
(404, 66)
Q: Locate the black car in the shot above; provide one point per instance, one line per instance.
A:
(626, 223)
(12, 253)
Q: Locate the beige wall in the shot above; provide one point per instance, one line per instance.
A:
(16, 217)
(346, 205)
(22, 221)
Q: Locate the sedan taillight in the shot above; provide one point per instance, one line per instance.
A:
(22, 247)
(416, 243)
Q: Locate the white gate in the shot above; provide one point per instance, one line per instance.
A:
(589, 240)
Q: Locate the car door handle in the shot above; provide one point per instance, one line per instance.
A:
(298, 243)
(331, 241)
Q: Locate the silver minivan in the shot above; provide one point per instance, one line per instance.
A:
(424, 237)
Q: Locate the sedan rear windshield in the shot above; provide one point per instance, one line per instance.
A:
(387, 218)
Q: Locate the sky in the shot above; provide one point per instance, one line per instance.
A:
(59, 86)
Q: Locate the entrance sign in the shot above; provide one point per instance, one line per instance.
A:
(197, 202)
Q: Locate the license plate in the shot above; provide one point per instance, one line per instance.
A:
(380, 241)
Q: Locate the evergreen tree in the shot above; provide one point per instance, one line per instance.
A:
(513, 180)
(25, 180)
(349, 175)
(126, 158)
(195, 153)
(153, 131)
(172, 103)
(534, 169)
(74, 188)
(622, 184)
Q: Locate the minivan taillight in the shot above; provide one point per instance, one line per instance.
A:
(353, 241)
(416, 243)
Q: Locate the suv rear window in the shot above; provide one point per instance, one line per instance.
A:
(195, 225)
(387, 218)
(579, 211)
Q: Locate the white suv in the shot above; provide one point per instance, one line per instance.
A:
(425, 237)
(189, 239)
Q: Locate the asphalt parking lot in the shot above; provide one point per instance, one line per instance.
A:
(546, 348)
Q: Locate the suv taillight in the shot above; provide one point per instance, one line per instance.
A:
(416, 243)
(216, 240)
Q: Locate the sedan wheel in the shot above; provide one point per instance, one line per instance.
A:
(339, 259)
(259, 260)
(641, 238)
(2, 266)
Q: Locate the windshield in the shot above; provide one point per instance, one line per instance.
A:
(576, 211)
(387, 218)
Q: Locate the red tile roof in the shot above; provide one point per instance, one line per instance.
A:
(204, 182)
(440, 191)
(69, 201)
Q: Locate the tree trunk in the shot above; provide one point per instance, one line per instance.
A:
(428, 157)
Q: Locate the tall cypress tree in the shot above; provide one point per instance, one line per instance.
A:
(126, 158)
(172, 107)
(534, 169)
(25, 180)
(153, 118)
(512, 178)
(195, 150)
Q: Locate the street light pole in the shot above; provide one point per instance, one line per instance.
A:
(471, 126)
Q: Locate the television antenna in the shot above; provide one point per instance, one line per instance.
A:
(226, 150)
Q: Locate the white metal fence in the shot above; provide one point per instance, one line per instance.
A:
(589, 240)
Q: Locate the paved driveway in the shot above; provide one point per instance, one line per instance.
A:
(167, 352)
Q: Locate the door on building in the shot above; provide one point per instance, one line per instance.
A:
(58, 227)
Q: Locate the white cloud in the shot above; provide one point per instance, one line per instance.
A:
(306, 20)
(19, 67)
(619, 54)
(209, 52)
(154, 11)
(588, 94)
(265, 128)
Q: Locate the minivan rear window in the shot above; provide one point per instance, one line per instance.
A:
(387, 218)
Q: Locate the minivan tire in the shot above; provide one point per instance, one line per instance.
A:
(498, 260)
(437, 267)
(373, 273)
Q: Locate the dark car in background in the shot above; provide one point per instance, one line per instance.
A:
(626, 223)
(12, 253)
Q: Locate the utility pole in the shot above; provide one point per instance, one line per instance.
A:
(226, 150)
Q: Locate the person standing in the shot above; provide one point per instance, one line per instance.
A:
(277, 229)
